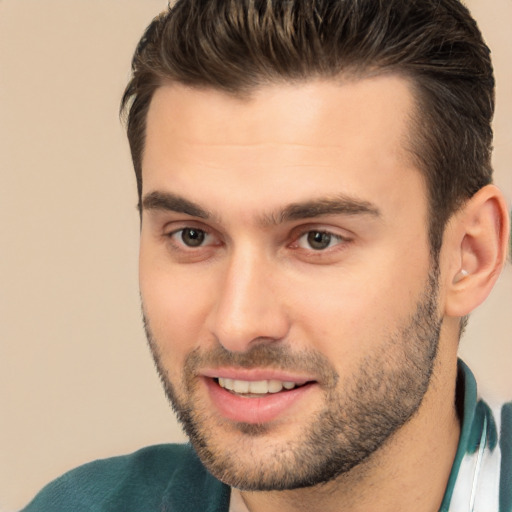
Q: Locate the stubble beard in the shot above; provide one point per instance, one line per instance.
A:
(359, 416)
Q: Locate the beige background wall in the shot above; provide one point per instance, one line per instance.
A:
(76, 379)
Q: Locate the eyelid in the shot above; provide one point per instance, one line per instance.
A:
(321, 228)
(178, 225)
(332, 236)
(343, 238)
(172, 229)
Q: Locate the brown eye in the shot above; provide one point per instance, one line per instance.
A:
(193, 237)
(319, 240)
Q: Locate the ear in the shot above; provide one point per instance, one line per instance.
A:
(477, 246)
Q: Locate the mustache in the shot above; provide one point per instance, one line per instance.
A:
(269, 355)
(263, 354)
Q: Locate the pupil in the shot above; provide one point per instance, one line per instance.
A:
(318, 240)
(192, 237)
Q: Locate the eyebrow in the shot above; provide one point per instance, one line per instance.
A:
(337, 205)
(166, 201)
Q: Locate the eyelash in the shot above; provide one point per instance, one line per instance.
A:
(323, 233)
(180, 245)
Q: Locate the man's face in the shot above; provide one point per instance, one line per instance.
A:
(289, 297)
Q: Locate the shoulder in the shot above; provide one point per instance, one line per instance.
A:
(144, 480)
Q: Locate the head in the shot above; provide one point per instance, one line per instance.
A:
(238, 46)
(297, 163)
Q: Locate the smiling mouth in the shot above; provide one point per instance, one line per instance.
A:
(256, 401)
(256, 388)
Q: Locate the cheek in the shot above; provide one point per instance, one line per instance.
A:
(352, 314)
(342, 322)
(175, 307)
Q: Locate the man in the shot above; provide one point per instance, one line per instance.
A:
(317, 222)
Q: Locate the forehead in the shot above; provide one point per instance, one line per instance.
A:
(284, 139)
(305, 110)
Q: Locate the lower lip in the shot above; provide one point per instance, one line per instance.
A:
(254, 409)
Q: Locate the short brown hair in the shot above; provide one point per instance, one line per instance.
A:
(239, 45)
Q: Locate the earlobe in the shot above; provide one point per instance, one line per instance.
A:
(479, 250)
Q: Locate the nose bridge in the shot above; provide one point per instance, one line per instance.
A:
(248, 307)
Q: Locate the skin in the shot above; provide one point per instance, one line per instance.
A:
(255, 281)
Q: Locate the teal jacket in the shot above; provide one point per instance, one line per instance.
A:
(170, 477)
(158, 478)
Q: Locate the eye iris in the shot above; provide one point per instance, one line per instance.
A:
(192, 237)
(318, 240)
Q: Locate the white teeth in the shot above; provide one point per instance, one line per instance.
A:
(257, 387)
(240, 386)
(274, 386)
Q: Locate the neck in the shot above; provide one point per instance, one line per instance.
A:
(409, 472)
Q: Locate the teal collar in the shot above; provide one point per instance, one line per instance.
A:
(466, 400)
(479, 432)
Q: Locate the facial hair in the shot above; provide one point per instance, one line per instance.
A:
(359, 415)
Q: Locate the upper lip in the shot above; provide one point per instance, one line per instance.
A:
(256, 374)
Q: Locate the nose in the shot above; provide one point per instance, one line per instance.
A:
(250, 308)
